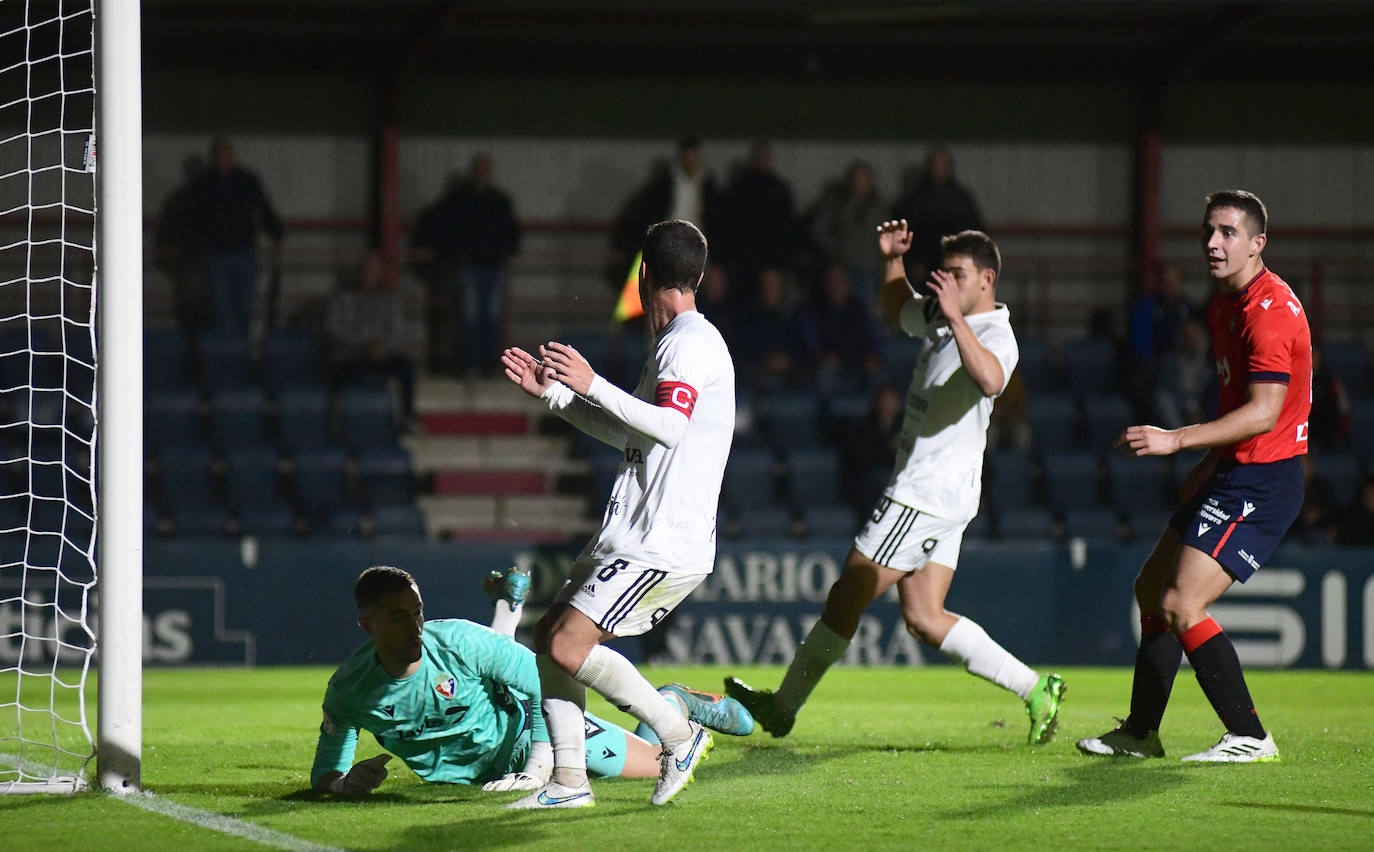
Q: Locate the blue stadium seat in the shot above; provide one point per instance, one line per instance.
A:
(1141, 484)
(1098, 523)
(751, 478)
(367, 417)
(346, 520)
(190, 519)
(1009, 479)
(187, 476)
(167, 363)
(251, 476)
(1147, 524)
(1026, 522)
(764, 521)
(1348, 359)
(1072, 479)
(595, 346)
(385, 477)
(843, 410)
(794, 419)
(238, 418)
(1340, 470)
(225, 362)
(1054, 422)
(814, 477)
(291, 359)
(1089, 365)
(304, 417)
(401, 519)
(980, 527)
(1105, 416)
(824, 521)
(1036, 366)
(272, 517)
(1361, 427)
(172, 417)
(320, 476)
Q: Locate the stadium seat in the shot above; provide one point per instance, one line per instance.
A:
(843, 410)
(1035, 365)
(1073, 479)
(980, 527)
(189, 519)
(251, 476)
(1026, 522)
(1141, 484)
(320, 477)
(1098, 523)
(751, 478)
(793, 418)
(367, 417)
(1089, 365)
(1349, 360)
(1009, 479)
(303, 417)
(291, 359)
(831, 521)
(173, 417)
(1054, 422)
(1341, 472)
(225, 362)
(401, 519)
(814, 476)
(1104, 417)
(765, 521)
(385, 477)
(1362, 426)
(238, 418)
(899, 358)
(271, 517)
(187, 476)
(167, 363)
(346, 520)
(1146, 525)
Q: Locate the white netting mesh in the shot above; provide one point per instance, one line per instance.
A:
(47, 392)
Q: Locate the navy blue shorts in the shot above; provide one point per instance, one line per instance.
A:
(1242, 513)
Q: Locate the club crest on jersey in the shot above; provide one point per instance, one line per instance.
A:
(677, 395)
(445, 685)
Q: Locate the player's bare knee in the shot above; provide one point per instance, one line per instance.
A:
(922, 629)
(567, 650)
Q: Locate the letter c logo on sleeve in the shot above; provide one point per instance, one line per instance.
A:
(677, 395)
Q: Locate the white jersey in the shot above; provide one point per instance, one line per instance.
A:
(675, 433)
(939, 468)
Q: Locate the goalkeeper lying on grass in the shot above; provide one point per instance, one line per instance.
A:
(454, 700)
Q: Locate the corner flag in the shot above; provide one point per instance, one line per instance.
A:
(629, 306)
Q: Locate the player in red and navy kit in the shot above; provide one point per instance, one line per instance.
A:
(1238, 500)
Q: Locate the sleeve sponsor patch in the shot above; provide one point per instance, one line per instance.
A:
(677, 395)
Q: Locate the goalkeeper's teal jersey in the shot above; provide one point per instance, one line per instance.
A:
(462, 718)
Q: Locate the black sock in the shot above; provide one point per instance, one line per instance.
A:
(1219, 674)
(1156, 664)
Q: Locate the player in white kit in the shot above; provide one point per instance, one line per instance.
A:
(913, 537)
(658, 534)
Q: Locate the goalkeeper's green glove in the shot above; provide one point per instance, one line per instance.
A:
(538, 767)
(363, 778)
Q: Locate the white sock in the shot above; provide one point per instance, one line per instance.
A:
(816, 654)
(969, 644)
(564, 703)
(619, 682)
(504, 620)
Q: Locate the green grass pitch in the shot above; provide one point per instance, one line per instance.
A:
(881, 758)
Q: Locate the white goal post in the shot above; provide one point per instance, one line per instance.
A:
(71, 394)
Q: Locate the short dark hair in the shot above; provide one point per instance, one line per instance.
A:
(976, 246)
(379, 581)
(675, 253)
(1246, 202)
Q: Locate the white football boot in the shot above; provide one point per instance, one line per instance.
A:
(678, 763)
(1233, 748)
(555, 795)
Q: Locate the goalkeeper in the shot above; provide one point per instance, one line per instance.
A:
(454, 700)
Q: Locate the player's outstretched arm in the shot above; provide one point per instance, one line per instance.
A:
(1257, 416)
(894, 240)
(363, 778)
(662, 424)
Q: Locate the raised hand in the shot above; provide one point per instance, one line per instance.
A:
(893, 238)
(946, 291)
(568, 365)
(526, 371)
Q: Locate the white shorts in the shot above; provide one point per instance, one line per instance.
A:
(899, 537)
(625, 599)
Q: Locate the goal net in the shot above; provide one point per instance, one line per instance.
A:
(48, 392)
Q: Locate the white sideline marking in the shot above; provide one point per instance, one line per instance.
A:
(223, 824)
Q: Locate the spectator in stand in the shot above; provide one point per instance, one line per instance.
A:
(473, 232)
(768, 353)
(843, 223)
(1158, 317)
(1318, 519)
(869, 448)
(840, 339)
(680, 190)
(935, 205)
(1184, 379)
(230, 208)
(178, 250)
(1330, 418)
(717, 303)
(1356, 527)
(761, 221)
(369, 333)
